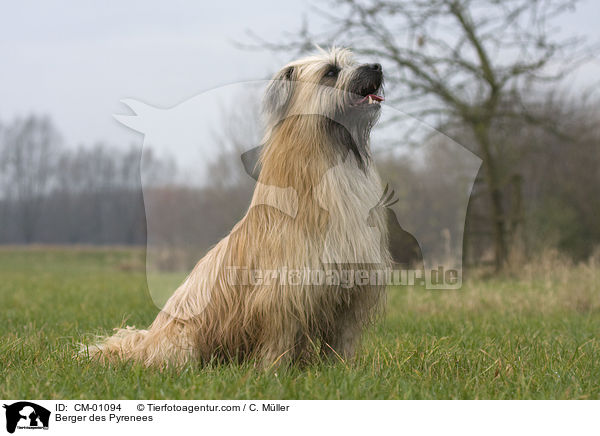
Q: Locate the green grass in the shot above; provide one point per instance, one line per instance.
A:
(531, 335)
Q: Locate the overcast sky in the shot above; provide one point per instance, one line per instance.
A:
(75, 60)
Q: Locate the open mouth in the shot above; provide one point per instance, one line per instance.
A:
(368, 97)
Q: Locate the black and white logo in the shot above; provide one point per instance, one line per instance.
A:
(26, 415)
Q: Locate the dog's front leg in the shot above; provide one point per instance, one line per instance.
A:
(341, 342)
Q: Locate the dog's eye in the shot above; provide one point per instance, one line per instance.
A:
(333, 72)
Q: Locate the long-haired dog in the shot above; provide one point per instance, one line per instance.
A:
(311, 211)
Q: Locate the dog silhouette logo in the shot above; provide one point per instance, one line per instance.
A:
(26, 415)
(208, 189)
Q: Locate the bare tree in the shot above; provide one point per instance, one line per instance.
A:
(28, 156)
(457, 62)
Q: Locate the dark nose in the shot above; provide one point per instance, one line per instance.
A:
(375, 67)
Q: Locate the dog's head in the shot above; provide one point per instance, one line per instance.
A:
(330, 84)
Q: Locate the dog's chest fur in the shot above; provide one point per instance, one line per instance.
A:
(330, 220)
(356, 229)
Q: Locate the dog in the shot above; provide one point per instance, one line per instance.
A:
(309, 212)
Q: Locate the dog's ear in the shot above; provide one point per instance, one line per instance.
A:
(279, 93)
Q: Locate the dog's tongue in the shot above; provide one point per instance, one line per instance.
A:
(373, 97)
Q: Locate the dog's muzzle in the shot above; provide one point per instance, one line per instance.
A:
(366, 86)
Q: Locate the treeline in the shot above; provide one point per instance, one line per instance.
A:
(53, 194)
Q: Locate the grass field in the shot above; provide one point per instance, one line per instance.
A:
(533, 334)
